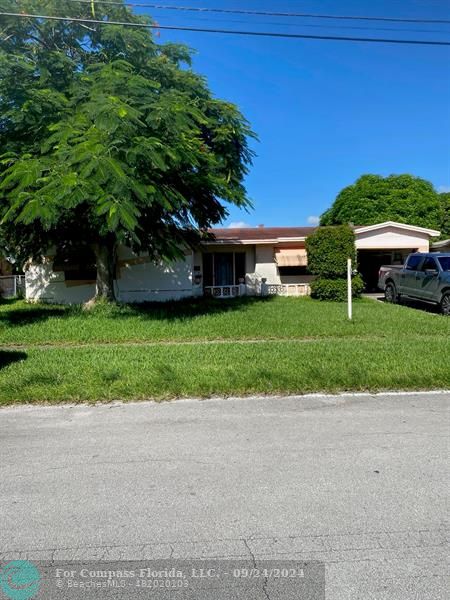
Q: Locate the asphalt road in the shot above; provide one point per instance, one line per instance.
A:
(356, 482)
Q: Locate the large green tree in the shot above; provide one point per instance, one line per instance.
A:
(445, 218)
(107, 137)
(373, 199)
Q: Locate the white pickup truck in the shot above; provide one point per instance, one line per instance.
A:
(424, 277)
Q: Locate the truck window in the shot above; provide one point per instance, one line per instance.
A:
(444, 261)
(429, 263)
(413, 262)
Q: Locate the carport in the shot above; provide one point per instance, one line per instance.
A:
(388, 243)
(370, 261)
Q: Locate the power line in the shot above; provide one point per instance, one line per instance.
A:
(316, 25)
(229, 31)
(260, 12)
(293, 24)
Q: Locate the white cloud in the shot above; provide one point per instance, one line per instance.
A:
(313, 220)
(238, 225)
(443, 189)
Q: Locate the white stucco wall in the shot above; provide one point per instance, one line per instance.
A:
(41, 283)
(150, 282)
(392, 238)
(137, 282)
(265, 265)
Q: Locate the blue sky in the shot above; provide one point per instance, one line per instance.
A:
(327, 112)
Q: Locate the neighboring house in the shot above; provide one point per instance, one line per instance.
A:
(253, 261)
(442, 246)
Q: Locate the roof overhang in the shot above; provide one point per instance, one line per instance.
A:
(404, 226)
(441, 244)
(269, 242)
(248, 240)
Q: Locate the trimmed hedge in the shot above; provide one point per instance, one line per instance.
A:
(335, 289)
(328, 249)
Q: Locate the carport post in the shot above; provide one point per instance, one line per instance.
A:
(349, 288)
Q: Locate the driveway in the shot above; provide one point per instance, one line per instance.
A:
(423, 306)
(358, 482)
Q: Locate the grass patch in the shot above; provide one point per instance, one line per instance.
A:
(304, 346)
(91, 374)
(246, 318)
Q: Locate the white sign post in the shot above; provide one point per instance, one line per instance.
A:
(349, 288)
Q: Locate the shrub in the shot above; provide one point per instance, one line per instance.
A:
(328, 249)
(335, 289)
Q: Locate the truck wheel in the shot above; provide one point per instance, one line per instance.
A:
(445, 304)
(390, 293)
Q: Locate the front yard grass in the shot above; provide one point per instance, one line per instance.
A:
(203, 348)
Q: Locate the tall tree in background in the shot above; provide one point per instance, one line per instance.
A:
(445, 218)
(374, 199)
(107, 137)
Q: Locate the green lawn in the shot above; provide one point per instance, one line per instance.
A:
(202, 348)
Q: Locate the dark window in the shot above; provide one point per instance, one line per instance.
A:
(293, 271)
(429, 263)
(444, 261)
(223, 268)
(78, 264)
(413, 262)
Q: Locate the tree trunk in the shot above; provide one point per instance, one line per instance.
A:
(106, 262)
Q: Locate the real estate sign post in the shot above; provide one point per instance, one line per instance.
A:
(349, 288)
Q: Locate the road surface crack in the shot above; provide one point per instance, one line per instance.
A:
(252, 556)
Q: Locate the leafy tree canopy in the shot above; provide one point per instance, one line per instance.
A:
(445, 207)
(107, 137)
(374, 199)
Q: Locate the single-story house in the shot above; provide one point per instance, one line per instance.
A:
(441, 246)
(253, 261)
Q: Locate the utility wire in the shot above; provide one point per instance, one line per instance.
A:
(342, 27)
(229, 31)
(236, 11)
